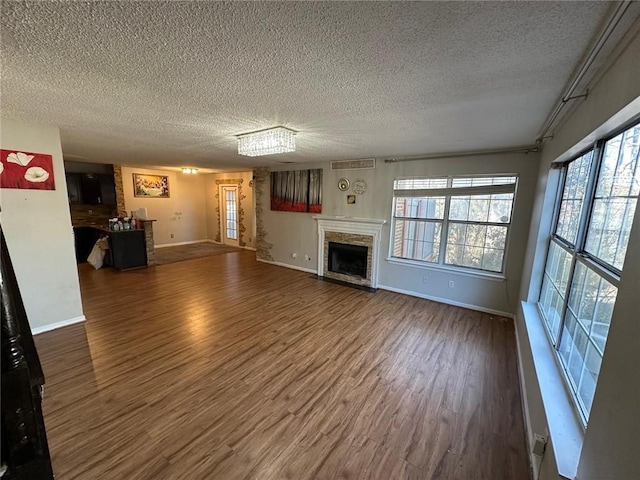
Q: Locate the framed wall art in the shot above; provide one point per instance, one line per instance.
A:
(150, 186)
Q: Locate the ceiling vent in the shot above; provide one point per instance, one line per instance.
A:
(366, 163)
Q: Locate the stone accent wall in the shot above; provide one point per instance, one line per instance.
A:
(241, 197)
(117, 176)
(98, 215)
(260, 189)
(350, 239)
(150, 243)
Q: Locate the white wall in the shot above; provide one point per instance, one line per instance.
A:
(37, 227)
(297, 232)
(186, 197)
(246, 203)
(610, 446)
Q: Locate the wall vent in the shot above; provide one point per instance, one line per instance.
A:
(366, 163)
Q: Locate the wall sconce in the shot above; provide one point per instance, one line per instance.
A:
(190, 171)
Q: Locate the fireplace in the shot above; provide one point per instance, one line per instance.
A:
(348, 259)
(349, 249)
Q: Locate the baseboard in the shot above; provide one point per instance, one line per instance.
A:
(293, 267)
(54, 326)
(447, 301)
(220, 243)
(533, 461)
(164, 245)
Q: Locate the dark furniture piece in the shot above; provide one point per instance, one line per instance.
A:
(91, 188)
(24, 448)
(127, 248)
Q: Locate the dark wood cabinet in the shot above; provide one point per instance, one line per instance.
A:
(73, 188)
(128, 249)
(107, 189)
(91, 188)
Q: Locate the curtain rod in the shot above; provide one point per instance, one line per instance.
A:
(584, 68)
(433, 156)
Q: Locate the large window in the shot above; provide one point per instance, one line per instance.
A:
(458, 221)
(586, 254)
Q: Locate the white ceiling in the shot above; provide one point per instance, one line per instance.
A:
(171, 83)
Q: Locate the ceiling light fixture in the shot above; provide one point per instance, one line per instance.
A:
(267, 142)
(190, 171)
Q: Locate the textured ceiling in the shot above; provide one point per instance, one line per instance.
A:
(171, 83)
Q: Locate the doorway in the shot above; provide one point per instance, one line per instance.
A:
(229, 214)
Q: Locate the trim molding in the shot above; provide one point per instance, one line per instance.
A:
(220, 243)
(286, 265)
(177, 244)
(535, 462)
(54, 326)
(447, 301)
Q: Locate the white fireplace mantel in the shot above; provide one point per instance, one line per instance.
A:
(353, 225)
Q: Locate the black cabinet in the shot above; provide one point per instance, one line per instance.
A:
(91, 188)
(128, 249)
(73, 188)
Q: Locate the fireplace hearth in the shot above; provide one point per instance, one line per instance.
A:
(348, 259)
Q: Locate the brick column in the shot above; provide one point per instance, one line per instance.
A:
(117, 176)
(260, 189)
(148, 237)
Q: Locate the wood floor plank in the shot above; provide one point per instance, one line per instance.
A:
(226, 368)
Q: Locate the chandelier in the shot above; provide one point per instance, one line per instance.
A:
(267, 142)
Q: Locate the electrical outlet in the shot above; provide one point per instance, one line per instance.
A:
(425, 279)
(539, 444)
(452, 284)
(307, 258)
(294, 255)
(172, 235)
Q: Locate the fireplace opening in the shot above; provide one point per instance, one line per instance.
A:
(348, 259)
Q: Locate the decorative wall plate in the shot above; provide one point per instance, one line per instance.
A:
(359, 186)
(343, 184)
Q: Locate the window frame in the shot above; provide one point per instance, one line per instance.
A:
(579, 255)
(445, 222)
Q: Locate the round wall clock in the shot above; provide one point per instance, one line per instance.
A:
(359, 186)
(343, 184)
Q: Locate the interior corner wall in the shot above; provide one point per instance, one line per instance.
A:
(610, 443)
(182, 215)
(297, 233)
(39, 235)
(212, 185)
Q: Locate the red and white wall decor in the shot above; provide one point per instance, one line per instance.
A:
(26, 170)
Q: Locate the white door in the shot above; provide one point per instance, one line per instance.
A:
(229, 214)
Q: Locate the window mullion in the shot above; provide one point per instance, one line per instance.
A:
(445, 229)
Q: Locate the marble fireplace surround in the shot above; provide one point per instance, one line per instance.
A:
(352, 231)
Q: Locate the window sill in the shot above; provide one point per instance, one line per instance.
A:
(496, 277)
(565, 428)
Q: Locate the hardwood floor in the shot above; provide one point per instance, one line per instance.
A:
(226, 368)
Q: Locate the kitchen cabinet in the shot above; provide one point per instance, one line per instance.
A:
(91, 188)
